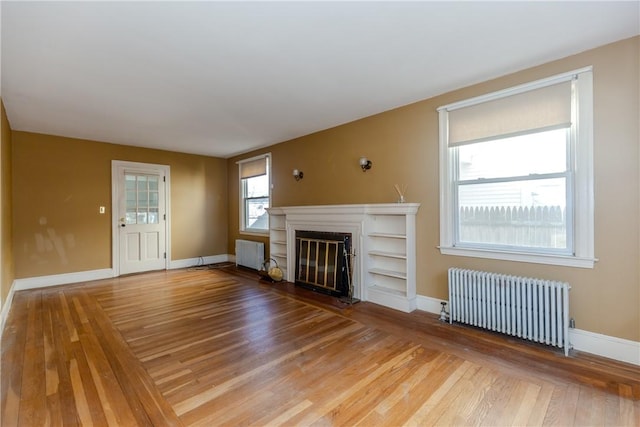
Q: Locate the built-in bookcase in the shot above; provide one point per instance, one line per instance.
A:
(390, 263)
(278, 238)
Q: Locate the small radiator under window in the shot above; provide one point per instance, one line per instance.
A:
(249, 254)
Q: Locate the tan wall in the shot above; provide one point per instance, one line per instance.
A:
(403, 145)
(6, 249)
(59, 183)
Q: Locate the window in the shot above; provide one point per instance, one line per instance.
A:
(516, 173)
(254, 194)
(141, 192)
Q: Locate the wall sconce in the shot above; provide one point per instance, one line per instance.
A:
(365, 164)
(298, 175)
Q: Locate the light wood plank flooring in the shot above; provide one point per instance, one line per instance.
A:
(204, 347)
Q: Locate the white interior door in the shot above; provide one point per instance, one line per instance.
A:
(141, 218)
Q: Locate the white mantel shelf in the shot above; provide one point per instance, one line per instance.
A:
(383, 241)
(373, 209)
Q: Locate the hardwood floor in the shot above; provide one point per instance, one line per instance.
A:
(217, 347)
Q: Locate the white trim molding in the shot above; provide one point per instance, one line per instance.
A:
(6, 306)
(62, 279)
(200, 261)
(120, 166)
(606, 346)
(105, 273)
(567, 261)
(589, 342)
(431, 305)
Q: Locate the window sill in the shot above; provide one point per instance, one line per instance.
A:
(262, 233)
(566, 261)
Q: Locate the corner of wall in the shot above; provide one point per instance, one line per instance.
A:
(7, 271)
(6, 307)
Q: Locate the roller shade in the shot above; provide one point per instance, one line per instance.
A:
(544, 108)
(252, 168)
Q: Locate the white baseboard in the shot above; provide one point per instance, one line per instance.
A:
(391, 299)
(606, 346)
(6, 306)
(590, 342)
(105, 273)
(62, 279)
(430, 305)
(195, 262)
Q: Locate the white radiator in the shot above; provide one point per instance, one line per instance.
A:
(249, 254)
(533, 309)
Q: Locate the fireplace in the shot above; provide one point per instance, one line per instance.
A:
(323, 261)
(382, 259)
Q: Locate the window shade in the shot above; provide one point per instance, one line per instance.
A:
(544, 108)
(253, 168)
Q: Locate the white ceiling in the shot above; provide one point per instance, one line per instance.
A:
(223, 78)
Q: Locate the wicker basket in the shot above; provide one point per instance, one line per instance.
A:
(270, 273)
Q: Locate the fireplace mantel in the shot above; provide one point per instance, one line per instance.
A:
(383, 242)
(377, 208)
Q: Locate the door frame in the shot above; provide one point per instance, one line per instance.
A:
(118, 166)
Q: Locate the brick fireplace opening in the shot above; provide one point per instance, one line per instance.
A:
(323, 261)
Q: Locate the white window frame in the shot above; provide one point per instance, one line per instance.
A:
(243, 226)
(581, 153)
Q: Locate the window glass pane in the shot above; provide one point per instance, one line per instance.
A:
(536, 192)
(154, 217)
(256, 215)
(142, 217)
(153, 199)
(131, 205)
(529, 213)
(153, 183)
(142, 182)
(142, 199)
(538, 153)
(257, 186)
(130, 217)
(129, 182)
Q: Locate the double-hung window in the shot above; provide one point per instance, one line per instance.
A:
(254, 194)
(516, 173)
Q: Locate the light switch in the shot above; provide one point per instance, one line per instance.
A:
(101, 209)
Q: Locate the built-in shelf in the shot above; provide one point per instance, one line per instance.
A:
(388, 254)
(388, 235)
(389, 273)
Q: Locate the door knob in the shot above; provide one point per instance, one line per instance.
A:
(123, 225)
